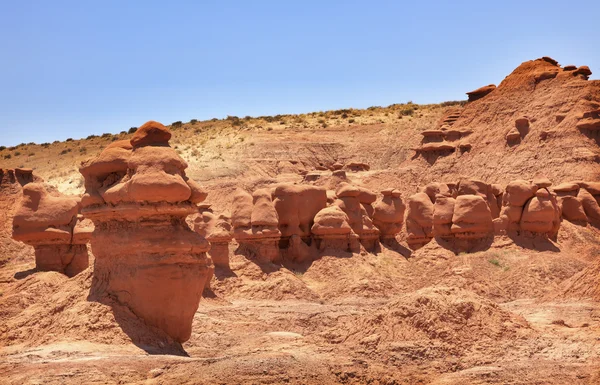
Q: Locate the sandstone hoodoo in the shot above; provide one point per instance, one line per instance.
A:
(332, 229)
(296, 207)
(216, 229)
(388, 215)
(356, 203)
(50, 224)
(419, 220)
(147, 258)
(255, 225)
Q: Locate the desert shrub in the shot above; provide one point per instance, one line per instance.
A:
(408, 111)
(21, 145)
(325, 125)
(31, 154)
(268, 119)
(56, 142)
(69, 140)
(45, 145)
(2, 148)
(176, 124)
(453, 103)
(344, 116)
(194, 121)
(351, 120)
(82, 149)
(91, 137)
(321, 121)
(132, 130)
(106, 135)
(17, 153)
(122, 132)
(247, 117)
(7, 156)
(114, 138)
(269, 128)
(65, 151)
(31, 144)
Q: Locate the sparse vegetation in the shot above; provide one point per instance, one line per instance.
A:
(69, 140)
(132, 130)
(495, 262)
(7, 156)
(2, 148)
(176, 124)
(17, 153)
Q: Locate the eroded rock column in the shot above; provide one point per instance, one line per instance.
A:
(147, 258)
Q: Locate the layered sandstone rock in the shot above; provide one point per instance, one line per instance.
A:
(147, 258)
(541, 214)
(480, 92)
(296, 207)
(529, 208)
(388, 215)
(356, 203)
(331, 229)
(255, 225)
(50, 224)
(590, 198)
(419, 220)
(216, 229)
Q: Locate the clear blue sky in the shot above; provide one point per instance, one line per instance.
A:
(74, 68)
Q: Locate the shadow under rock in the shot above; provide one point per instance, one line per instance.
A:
(148, 338)
(394, 245)
(534, 243)
(24, 274)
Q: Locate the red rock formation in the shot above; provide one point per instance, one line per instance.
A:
(255, 225)
(356, 203)
(419, 220)
(296, 207)
(147, 257)
(541, 214)
(388, 215)
(216, 229)
(50, 224)
(480, 92)
(332, 229)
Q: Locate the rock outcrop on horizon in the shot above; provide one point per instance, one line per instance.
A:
(138, 196)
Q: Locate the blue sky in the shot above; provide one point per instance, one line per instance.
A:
(75, 68)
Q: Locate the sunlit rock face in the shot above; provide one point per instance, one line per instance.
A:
(138, 196)
(50, 223)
